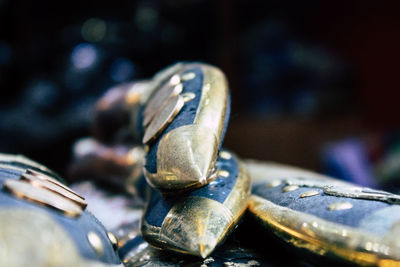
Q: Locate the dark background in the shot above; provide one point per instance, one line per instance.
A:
(303, 74)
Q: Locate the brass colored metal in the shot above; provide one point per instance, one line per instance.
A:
(274, 183)
(290, 188)
(52, 180)
(362, 193)
(163, 118)
(175, 80)
(113, 239)
(214, 101)
(317, 235)
(55, 188)
(304, 178)
(95, 242)
(188, 96)
(158, 79)
(340, 206)
(37, 234)
(159, 100)
(196, 225)
(223, 173)
(186, 155)
(42, 196)
(310, 193)
(225, 155)
(188, 76)
(185, 158)
(323, 237)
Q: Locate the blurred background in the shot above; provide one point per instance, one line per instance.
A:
(314, 83)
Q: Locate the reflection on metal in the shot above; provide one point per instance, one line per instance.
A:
(362, 193)
(340, 206)
(372, 245)
(188, 96)
(185, 159)
(95, 242)
(303, 178)
(323, 237)
(225, 154)
(188, 76)
(159, 100)
(37, 186)
(196, 225)
(42, 196)
(52, 180)
(310, 193)
(53, 187)
(290, 188)
(175, 80)
(163, 118)
(223, 173)
(113, 239)
(48, 244)
(187, 154)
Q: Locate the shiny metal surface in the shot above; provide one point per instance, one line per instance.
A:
(52, 180)
(196, 225)
(322, 237)
(188, 76)
(95, 242)
(35, 239)
(340, 206)
(163, 117)
(186, 155)
(310, 193)
(55, 188)
(42, 196)
(159, 100)
(188, 96)
(185, 159)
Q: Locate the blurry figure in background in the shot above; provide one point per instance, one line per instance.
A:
(116, 167)
(115, 158)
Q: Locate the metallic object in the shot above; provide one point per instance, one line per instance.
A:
(39, 227)
(95, 242)
(163, 118)
(20, 162)
(195, 223)
(160, 98)
(42, 196)
(113, 239)
(117, 166)
(114, 110)
(50, 179)
(343, 221)
(54, 188)
(184, 154)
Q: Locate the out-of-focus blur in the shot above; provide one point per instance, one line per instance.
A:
(313, 83)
